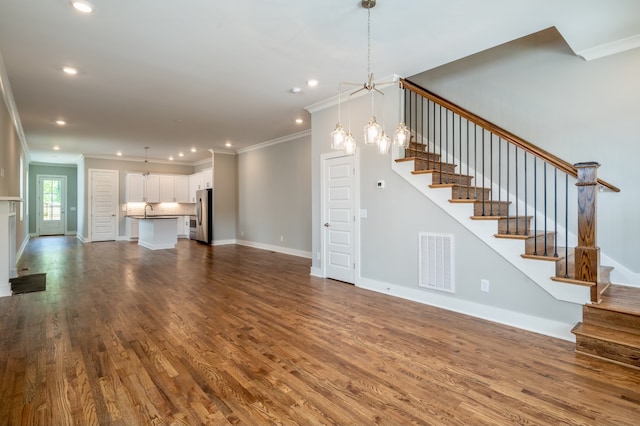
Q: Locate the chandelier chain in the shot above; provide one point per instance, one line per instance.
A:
(369, 44)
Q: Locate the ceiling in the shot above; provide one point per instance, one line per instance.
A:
(175, 75)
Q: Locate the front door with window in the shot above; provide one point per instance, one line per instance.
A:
(51, 205)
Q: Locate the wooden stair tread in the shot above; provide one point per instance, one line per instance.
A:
(573, 281)
(443, 185)
(500, 217)
(519, 236)
(560, 251)
(425, 171)
(448, 174)
(472, 200)
(620, 298)
(607, 334)
(548, 257)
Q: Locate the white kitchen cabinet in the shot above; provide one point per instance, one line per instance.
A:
(166, 189)
(200, 180)
(181, 189)
(134, 188)
(183, 227)
(207, 178)
(196, 182)
(133, 226)
(152, 187)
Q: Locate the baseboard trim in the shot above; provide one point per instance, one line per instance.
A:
(223, 242)
(278, 249)
(538, 325)
(22, 247)
(316, 272)
(5, 290)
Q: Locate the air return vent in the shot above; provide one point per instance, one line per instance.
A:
(435, 259)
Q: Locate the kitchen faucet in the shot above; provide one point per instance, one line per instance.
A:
(145, 209)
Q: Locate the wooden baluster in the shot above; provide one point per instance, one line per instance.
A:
(587, 253)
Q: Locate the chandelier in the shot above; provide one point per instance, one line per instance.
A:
(374, 133)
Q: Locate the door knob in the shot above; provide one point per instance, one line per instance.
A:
(327, 225)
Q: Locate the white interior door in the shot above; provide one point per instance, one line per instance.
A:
(339, 218)
(104, 204)
(51, 203)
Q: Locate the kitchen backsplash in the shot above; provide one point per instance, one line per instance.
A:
(178, 209)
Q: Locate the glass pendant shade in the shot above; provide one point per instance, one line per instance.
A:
(350, 145)
(402, 136)
(372, 132)
(384, 145)
(338, 137)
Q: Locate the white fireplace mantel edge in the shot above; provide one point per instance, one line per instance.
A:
(7, 242)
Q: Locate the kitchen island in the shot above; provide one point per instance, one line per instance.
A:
(157, 232)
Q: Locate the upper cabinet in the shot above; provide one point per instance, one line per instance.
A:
(207, 177)
(200, 180)
(165, 188)
(134, 188)
(181, 189)
(195, 183)
(152, 187)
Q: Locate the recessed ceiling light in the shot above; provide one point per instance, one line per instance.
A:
(228, 144)
(181, 154)
(82, 6)
(61, 122)
(56, 148)
(296, 90)
(171, 158)
(193, 150)
(299, 120)
(70, 70)
(312, 83)
(119, 154)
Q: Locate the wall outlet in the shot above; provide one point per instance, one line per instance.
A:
(1, 172)
(484, 286)
(318, 256)
(242, 233)
(281, 238)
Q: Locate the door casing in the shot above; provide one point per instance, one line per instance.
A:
(356, 210)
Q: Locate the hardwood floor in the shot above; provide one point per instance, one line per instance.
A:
(234, 335)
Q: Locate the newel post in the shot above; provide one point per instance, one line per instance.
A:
(587, 259)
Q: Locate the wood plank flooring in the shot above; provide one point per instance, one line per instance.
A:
(234, 335)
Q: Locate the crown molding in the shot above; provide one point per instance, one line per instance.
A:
(276, 141)
(9, 101)
(610, 48)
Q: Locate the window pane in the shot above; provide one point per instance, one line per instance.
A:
(51, 200)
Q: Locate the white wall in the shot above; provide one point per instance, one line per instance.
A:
(225, 201)
(274, 198)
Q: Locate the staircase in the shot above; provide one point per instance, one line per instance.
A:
(447, 155)
(610, 330)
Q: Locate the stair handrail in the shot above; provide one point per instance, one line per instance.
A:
(497, 130)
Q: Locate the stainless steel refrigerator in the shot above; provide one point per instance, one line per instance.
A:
(204, 216)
